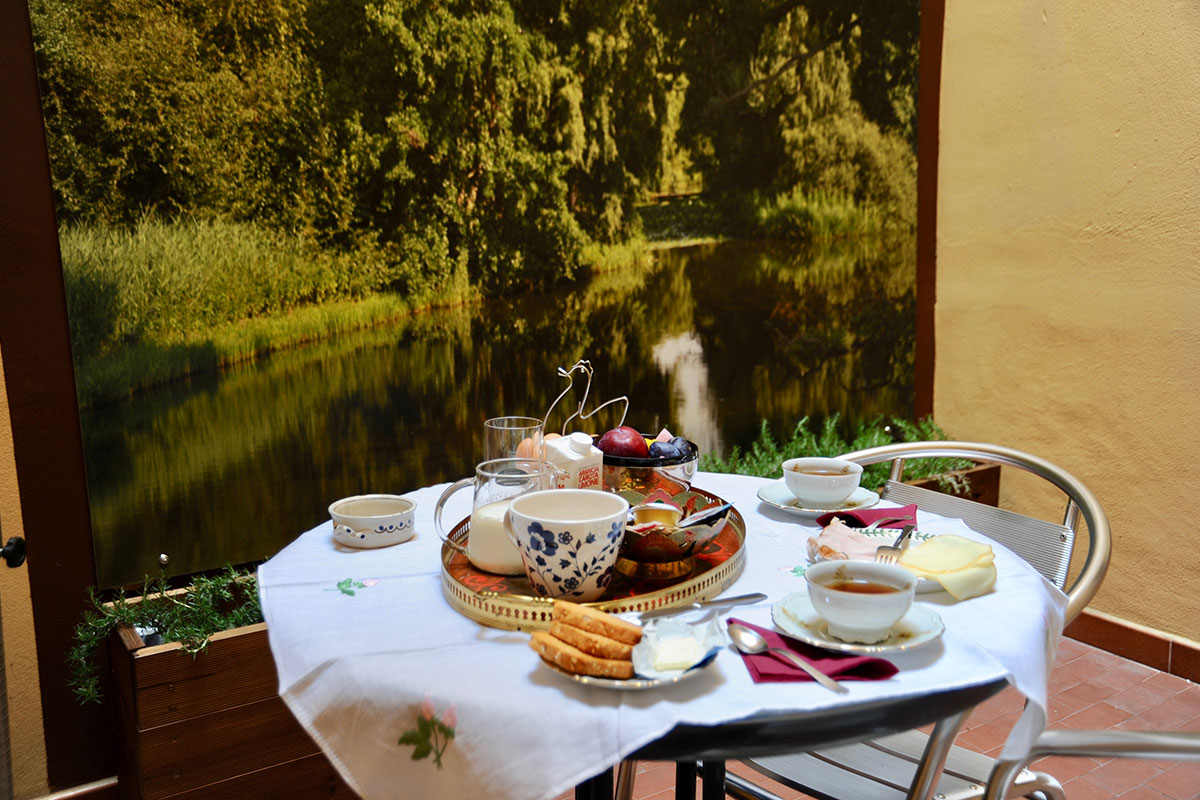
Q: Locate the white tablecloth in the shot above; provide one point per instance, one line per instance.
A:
(366, 644)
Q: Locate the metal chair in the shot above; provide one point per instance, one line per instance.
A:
(1172, 745)
(913, 764)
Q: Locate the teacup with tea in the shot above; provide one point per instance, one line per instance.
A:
(821, 482)
(860, 601)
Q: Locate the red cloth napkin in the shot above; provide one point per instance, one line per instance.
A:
(864, 517)
(768, 668)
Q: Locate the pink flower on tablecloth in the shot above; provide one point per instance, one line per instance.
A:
(431, 736)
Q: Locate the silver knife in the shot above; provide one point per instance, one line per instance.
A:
(735, 600)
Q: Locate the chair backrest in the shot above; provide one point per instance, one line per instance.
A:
(1047, 546)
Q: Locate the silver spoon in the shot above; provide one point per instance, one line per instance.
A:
(748, 641)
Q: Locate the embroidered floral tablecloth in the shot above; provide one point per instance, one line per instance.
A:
(409, 698)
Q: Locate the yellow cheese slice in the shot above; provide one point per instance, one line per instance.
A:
(963, 567)
(947, 553)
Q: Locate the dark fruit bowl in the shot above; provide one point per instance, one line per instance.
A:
(644, 475)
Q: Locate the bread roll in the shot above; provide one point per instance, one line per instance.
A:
(591, 643)
(596, 621)
(572, 659)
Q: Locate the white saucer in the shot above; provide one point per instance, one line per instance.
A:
(795, 616)
(777, 495)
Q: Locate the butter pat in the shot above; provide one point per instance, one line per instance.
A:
(676, 653)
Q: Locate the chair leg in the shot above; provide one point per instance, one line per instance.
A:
(625, 774)
(933, 760)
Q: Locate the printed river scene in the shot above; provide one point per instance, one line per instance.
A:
(308, 247)
(710, 341)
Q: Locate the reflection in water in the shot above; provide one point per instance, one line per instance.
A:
(229, 468)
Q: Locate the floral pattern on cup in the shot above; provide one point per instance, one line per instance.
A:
(555, 568)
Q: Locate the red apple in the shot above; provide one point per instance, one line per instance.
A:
(625, 442)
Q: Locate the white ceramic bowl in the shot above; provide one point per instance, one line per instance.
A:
(372, 520)
(821, 482)
(847, 596)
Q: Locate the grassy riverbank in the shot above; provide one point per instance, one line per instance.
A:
(162, 301)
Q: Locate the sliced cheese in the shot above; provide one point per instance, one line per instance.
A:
(963, 567)
(947, 553)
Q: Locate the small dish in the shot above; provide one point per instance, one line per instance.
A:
(636, 683)
(372, 520)
(777, 495)
(795, 616)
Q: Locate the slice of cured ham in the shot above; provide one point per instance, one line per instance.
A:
(838, 541)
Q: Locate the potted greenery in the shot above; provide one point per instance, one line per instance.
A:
(953, 476)
(196, 694)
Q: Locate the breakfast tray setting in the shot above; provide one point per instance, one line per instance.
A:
(509, 602)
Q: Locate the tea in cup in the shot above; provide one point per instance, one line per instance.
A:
(568, 540)
(860, 601)
(372, 520)
(496, 482)
(821, 482)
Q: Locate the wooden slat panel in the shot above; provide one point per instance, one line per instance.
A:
(311, 778)
(235, 669)
(215, 747)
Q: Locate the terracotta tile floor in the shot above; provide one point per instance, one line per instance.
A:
(1089, 688)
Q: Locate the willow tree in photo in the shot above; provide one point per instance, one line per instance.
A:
(818, 94)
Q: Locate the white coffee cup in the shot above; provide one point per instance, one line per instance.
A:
(860, 601)
(821, 482)
(568, 540)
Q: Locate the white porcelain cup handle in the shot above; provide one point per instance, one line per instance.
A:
(437, 512)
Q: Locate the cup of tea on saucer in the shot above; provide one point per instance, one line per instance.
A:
(860, 601)
(821, 482)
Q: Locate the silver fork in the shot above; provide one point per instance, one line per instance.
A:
(890, 553)
(884, 521)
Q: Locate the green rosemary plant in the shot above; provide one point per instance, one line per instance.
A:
(764, 456)
(211, 604)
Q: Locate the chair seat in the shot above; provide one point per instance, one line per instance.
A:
(882, 769)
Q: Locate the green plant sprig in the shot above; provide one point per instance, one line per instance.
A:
(215, 603)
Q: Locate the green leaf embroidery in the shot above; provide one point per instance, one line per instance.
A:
(348, 585)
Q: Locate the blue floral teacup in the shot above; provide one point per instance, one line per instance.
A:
(568, 540)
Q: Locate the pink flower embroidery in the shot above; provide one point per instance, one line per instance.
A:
(431, 736)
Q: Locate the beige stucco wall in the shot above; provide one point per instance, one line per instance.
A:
(1068, 280)
(20, 649)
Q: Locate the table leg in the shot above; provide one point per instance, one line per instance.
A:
(713, 776)
(685, 780)
(599, 787)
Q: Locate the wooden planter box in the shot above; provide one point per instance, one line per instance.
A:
(985, 484)
(211, 726)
